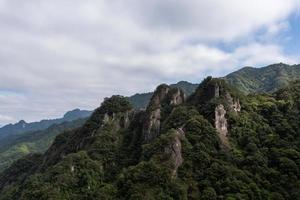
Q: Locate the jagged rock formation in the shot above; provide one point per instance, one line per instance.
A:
(114, 113)
(216, 94)
(177, 97)
(152, 125)
(119, 120)
(163, 96)
(174, 149)
(233, 104)
(221, 124)
(141, 101)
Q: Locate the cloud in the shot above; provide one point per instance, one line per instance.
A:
(211, 19)
(5, 119)
(57, 55)
(262, 54)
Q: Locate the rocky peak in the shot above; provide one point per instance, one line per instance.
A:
(121, 120)
(177, 97)
(214, 88)
(163, 95)
(114, 112)
(22, 124)
(214, 98)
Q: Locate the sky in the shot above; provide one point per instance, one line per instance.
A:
(57, 55)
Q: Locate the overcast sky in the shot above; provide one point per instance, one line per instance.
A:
(57, 55)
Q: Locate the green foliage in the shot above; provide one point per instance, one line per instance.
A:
(16, 147)
(75, 177)
(211, 93)
(265, 79)
(104, 160)
(147, 180)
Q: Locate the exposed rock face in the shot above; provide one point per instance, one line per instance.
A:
(120, 120)
(221, 124)
(163, 95)
(217, 93)
(72, 168)
(106, 119)
(152, 125)
(174, 149)
(125, 120)
(217, 90)
(234, 104)
(177, 97)
(220, 117)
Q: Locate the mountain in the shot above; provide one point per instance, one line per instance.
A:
(265, 79)
(216, 144)
(17, 140)
(14, 147)
(140, 101)
(76, 114)
(248, 80)
(22, 126)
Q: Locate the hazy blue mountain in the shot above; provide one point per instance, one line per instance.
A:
(13, 147)
(22, 126)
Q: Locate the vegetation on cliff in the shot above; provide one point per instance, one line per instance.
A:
(109, 157)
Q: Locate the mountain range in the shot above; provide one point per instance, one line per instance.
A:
(22, 126)
(14, 147)
(235, 137)
(247, 80)
(17, 140)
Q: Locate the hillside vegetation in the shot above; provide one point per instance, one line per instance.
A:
(17, 146)
(248, 80)
(266, 79)
(216, 144)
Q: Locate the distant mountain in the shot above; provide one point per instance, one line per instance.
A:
(13, 147)
(141, 100)
(22, 126)
(265, 79)
(76, 114)
(248, 80)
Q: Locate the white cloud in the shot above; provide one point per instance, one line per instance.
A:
(5, 120)
(57, 55)
(262, 54)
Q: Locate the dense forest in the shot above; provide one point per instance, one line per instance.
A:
(217, 143)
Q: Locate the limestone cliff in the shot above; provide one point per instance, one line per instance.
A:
(175, 151)
(214, 99)
(221, 124)
(163, 96)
